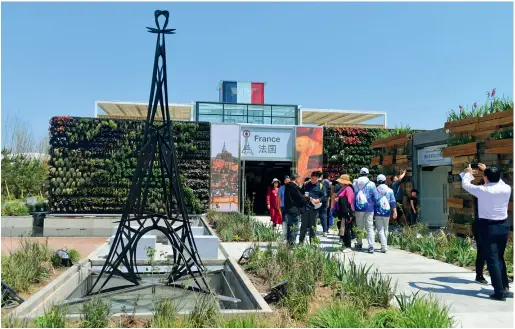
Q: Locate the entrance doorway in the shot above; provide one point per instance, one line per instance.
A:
(434, 191)
(257, 177)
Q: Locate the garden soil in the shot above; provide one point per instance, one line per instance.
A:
(84, 246)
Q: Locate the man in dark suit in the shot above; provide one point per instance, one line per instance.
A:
(294, 206)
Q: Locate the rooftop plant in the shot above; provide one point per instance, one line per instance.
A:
(493, 104)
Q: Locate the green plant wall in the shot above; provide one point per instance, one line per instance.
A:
(93, 161)
(347, 150)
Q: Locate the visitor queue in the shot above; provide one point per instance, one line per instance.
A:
(364, 204)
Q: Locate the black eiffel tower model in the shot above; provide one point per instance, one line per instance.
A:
(157, 147)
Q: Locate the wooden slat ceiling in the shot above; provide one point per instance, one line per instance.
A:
(135, 111)
(341, 118)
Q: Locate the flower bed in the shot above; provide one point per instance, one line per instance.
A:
(444, 247)
(237, 227)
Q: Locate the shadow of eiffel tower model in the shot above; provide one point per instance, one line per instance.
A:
(157, 148)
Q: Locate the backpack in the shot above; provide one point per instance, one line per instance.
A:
(384, 205)
(361, 198)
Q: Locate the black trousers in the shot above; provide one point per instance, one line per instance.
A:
(347, 238)
(413, 217)
(494, 237)
(480, 256)
(308, 222)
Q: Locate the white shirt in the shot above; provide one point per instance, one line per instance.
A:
(492, 198)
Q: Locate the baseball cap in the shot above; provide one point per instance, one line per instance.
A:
(286, 177)
(381, 178)
(363, 171)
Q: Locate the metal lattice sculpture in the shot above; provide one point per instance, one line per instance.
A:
(157, 147)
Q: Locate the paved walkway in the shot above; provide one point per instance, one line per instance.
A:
(453, 285)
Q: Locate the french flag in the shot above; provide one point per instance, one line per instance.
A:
(242, 92)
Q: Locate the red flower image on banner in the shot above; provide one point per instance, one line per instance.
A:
(309, 146)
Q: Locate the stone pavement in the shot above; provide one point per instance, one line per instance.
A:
(469, 301)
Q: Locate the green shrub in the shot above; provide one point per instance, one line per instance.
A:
(239, 227)
(364, 288)
(205, 313)
(55, 317)
(389, 318)
(95, 313)
(428, 246)
(423, 312)
(15, 208)
(330, 270)
(10, 321)
(247, 321)
(28, 264)
(508, 257)
(303, 266)
(165, 313)
(74, 255)
(338, 315)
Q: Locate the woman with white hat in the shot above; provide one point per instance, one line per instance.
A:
(273, 202)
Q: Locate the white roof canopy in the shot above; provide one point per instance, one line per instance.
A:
(336, 117)
(126, 110)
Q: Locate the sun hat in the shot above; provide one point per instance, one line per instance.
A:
(344, 180)
(275, 180)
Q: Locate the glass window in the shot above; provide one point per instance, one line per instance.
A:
(210, 118)
(259, 120)
(283, 121)
(284, 111)
(235, 109)
(207, 108)
(260, 110)
(235, 119)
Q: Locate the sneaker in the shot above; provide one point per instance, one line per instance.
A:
(325, 234)
(370, 250)
(498, 297)
(481, 280)
(347, 250)
(383, 250)
(359, 246)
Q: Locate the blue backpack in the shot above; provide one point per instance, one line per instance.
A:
(384, 205)
(361, 198)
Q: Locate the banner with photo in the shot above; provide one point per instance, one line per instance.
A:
(225, 167)
(309, 149)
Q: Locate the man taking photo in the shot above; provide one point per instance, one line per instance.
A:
(397, 192)
(493, 230)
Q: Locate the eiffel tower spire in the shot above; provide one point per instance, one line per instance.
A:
(157, 149)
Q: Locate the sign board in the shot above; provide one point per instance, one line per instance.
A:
(260, 143)
(432, 156)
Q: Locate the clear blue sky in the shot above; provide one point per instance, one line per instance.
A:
(413, 60)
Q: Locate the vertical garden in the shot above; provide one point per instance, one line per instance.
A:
(347, 150)
(93, 160)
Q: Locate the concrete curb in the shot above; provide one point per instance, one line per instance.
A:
(53, 292)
